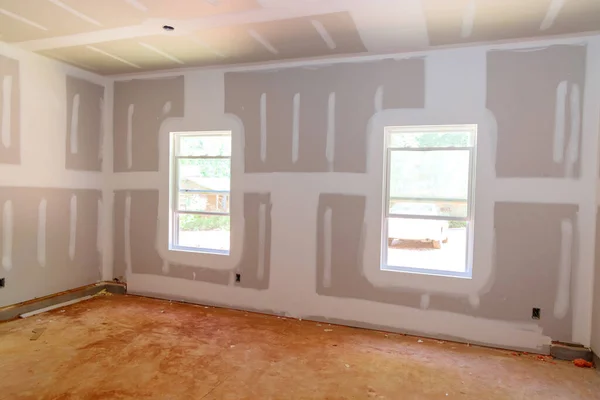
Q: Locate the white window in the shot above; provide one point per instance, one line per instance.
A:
(200, 195)
(428, 199)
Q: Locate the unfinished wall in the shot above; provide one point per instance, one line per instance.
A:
(308, 151)
(52, 133)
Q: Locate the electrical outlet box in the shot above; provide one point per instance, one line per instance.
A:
(536, 313)
(2, 282)
(238, 277)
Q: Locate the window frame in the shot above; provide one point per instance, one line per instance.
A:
(469, 218)
(174, 191)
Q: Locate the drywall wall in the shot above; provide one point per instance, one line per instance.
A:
(308, 150)
(52, 120)
(595, 341)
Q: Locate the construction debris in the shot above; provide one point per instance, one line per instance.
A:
(581, 363)
(37, 332)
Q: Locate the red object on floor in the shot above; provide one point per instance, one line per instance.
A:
(581, 363)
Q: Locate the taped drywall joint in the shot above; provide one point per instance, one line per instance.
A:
(99, 226)
(561, 304)
(264, 42)
(493, 138)
(7, 82)
(41, 233)
(474, 300)
(73, 227)
(129, 144)
(330, 141)
(101, 133)
(559, 122)
(295, 127)
(97, 50)
(161, 53)
(573, 145)
(468, 19)
(553, 10)
(263, 127)
(379, 99)
(74, 123)
(262, 245)
(127, 233)
(24, 20)
(425, 299)
(327, 238)
(7, 235)
(137, 4)
(75, 12)
(323, 33)
(167, 108)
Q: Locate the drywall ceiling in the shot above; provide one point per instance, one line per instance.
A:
(126, 36)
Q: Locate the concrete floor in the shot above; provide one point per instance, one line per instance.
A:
(127, 347)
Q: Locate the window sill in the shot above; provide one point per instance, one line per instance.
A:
(430, 272)
(199, 250)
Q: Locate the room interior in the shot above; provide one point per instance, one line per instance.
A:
(299, 199)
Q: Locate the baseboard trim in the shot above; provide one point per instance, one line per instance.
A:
(13, 311)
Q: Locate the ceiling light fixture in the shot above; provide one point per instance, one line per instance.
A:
(168, 28)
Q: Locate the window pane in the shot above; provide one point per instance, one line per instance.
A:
(429, 182)
(207, 202)
(203, 231)
(431, 139)
(204, 173)
(427, 244)
(205, 145)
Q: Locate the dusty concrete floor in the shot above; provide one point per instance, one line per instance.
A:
(126, 347)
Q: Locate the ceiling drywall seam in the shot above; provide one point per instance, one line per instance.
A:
(553, 10)
(22, 19)
(97, 50)
(324, 34)
(468, 19)
(264, 42)
(207, 47)
(76, 13)
(154, 26)
(161, 52)
(329, 59)
(137, 4)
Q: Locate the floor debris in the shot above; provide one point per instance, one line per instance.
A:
(328, 330)
(419, 341)
(581, 363)
(37, 332)
(103, 292)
